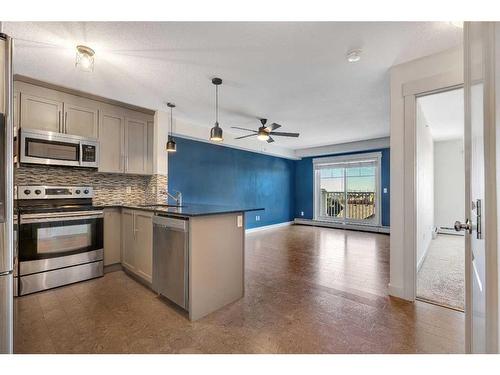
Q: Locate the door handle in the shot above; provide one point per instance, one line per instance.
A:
(460, 226)
(60, 127)
(65, 121)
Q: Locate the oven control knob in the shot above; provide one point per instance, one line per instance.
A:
(85, 191)
(38, 192)
(77, 191)
(27, 192)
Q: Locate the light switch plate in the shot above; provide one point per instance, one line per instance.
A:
(239, 221)
(257, 217)
(385, 190)
(301, 213)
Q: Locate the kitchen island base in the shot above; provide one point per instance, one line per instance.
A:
(216, 262)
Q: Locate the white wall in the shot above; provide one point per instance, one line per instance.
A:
(425, 186)
(449, 182)
(450, 61)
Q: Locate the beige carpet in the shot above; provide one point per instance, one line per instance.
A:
(441, 277)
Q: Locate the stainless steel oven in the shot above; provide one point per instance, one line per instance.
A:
(49, 148)
(60, 239)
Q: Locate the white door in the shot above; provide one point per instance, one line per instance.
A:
(480, 186)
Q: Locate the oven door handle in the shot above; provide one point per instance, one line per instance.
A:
(59, 216)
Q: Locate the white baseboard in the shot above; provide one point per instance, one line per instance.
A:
(266, 227)
(396, 291)
(360, 227)
(422, 258)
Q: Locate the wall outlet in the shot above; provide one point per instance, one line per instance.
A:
(301, 213)
(239, 221)
(385, 190)
(129, 189)
(257, 217)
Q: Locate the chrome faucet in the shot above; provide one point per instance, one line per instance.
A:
(177, 197)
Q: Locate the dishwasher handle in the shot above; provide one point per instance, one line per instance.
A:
(171, 223)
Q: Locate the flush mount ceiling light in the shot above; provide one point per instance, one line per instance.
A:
(216, 131)
(85, 58)
(353, 55)
(171, 146)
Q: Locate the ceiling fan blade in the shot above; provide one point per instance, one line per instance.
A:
(246, 136)
(250, 130)
(273, 126)
(283, 134)
(270, 140)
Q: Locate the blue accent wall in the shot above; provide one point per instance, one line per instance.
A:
(304, 185)
(206, 173)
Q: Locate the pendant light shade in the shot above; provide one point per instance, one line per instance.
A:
(216, 131)
(171, 146)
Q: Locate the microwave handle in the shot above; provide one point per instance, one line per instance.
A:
(81, 153)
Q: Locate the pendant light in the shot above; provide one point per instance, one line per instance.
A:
(216, 131)
(171, 146)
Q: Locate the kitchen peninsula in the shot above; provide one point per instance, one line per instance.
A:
(191, 254)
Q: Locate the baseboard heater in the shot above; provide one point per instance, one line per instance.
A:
(362, 228)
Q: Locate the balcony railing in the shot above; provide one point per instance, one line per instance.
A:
(360, 205)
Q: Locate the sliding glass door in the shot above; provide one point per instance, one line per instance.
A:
(347, 188)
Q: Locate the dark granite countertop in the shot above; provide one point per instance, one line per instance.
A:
(186, 210)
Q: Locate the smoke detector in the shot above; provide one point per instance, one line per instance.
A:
(354, 55)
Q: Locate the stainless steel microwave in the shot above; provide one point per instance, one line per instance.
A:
(49, 148)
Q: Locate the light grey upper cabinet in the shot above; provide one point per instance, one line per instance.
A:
(41, 113)
(16, 115)
(136, 146)
(112, 141)
(80, 120)
(126, 135)
(150, 161)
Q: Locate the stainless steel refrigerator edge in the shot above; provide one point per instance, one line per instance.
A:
(6, 197)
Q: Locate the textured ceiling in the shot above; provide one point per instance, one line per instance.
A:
(295, 74)
(444, 113)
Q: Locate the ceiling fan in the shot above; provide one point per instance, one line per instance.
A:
(264, 132)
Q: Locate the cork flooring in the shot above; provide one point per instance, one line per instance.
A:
(308, 290)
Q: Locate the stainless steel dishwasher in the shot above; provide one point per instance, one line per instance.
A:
(171, 259)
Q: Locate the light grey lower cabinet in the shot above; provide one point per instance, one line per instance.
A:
(112, 236)
(137, 243)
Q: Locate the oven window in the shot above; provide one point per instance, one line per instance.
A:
(52, 150)
(59, 238)
(64, 238)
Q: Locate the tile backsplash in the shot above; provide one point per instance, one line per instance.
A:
(109, 188)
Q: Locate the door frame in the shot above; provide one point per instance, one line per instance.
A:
(411, 91)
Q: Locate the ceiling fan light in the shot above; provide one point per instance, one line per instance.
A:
(262, 135)
(171, 145)
(216, 133)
